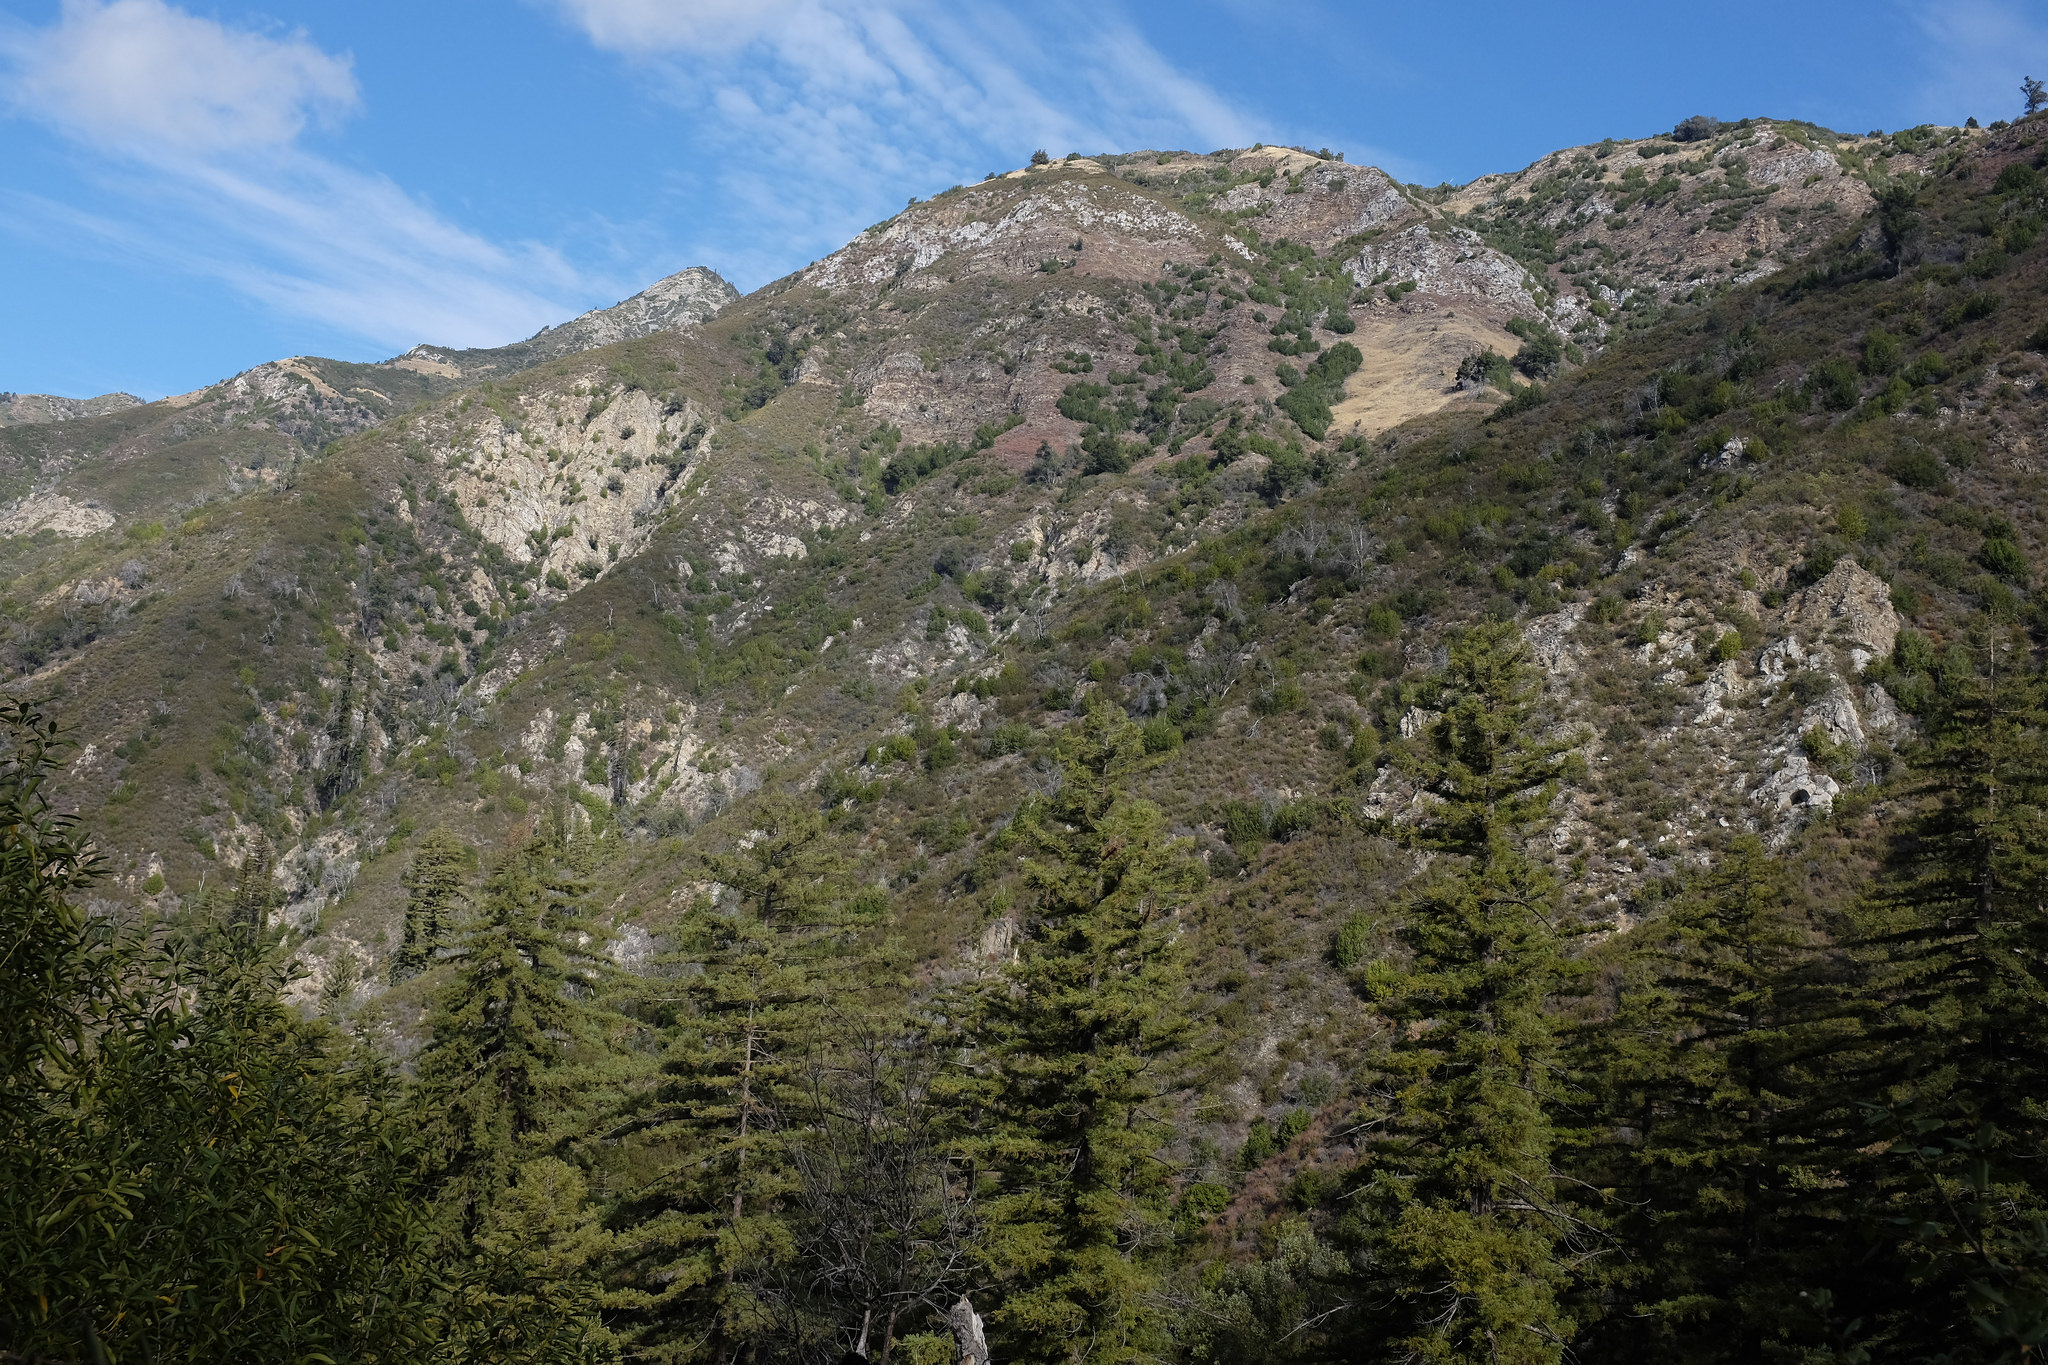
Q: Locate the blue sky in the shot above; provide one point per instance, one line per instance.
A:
(190, 189)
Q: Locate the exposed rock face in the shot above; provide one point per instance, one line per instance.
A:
(992, 232)
(19, 409)
(54, 512)
(563, 486)
(1320, 203)
(688, 296)
(1853, 606)
(1447, 263)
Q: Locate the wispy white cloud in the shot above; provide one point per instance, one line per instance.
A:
(193, 135)
(1976, 53)
(816, 114)
(138, 74)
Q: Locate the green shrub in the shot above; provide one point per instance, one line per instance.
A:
(1382, 622)
(1883, 353)
(1354, 937)
(1540, 354)
(1838, 760)
(1308, 401)
(1244, 825)
(1833, 384)
(1161, 735)
(1486, 367)
(1918, 469)
(2003, 558)
(1259, 1144)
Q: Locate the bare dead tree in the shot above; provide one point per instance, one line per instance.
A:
(882, 1217)
(1355, 550)
(1303, 539)
(1224, 594)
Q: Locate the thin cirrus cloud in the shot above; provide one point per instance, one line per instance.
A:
(1976, 53)
(193, 131)
(811, 116)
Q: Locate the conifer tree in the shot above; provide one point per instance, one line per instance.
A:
(1710, 1084)
(434, 886)
(1956, 938)
(531, 1293)
(1079, 1037)
(1465, 1235)
(253, 890)
(505, 1026)
(739, 1011)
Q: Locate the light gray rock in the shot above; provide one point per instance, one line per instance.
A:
(688, 296)
(1851, 604)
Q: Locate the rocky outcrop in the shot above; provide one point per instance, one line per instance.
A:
(55, 512)
(1852, 607)
(678, 300)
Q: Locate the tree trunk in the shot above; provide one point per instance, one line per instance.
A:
(971, 1345)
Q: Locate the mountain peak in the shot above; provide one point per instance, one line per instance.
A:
(692, 295)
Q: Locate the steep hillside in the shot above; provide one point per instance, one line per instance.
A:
(659, 575)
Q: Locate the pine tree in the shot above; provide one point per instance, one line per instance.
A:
(1466, 1238)
(434, 887)
(1079, 1036)
(739, 1008)
(1710, 1077)
(1956, 937)
(254, 893)
(530, 1294)
(505, 1029)
(344, 735)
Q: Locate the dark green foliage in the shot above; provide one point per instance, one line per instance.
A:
(1955, 937)
(1834, 385)
(1898, 216)
(2003, 558)
(1542, 349)
(703, 1236)
(1469, 1253)
(495, 1074)
(1485, 367)
(188, 1171)
(1308, 401)
(1710, 1068)
(434, 886)
(1079, 1034)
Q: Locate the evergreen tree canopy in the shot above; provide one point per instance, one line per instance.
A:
(505, 1025)
(1710, 1078)
(434, 886)
(1468, 1245)
(739, 1004)
(1955, 937)
(1079, 1037)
